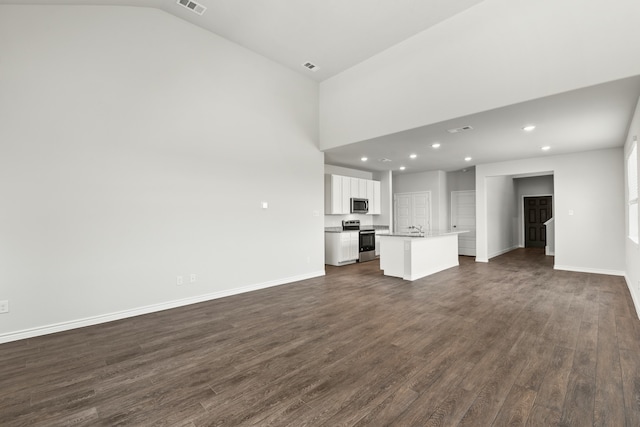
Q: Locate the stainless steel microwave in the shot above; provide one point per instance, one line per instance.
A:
(359, 205)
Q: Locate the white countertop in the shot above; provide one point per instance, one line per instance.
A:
(426, 234)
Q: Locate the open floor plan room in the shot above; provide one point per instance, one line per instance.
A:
(512, 342)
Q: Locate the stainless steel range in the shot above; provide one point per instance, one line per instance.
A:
(367, 240)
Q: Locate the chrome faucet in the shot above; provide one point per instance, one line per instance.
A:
(418, 228)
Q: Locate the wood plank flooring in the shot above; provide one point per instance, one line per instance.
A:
(512, 342)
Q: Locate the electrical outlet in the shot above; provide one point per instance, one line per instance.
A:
(192, 278)
(4, 306)
(179, 281)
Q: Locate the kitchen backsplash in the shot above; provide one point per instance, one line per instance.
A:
(336, 220)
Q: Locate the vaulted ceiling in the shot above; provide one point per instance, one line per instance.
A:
(333, 34)
(338, 34)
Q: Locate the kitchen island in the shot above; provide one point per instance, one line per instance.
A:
(412, 256)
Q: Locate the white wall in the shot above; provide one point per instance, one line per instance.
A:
(497, 53)
(339, 170)
(632, 251)
(386, 200)
(501, 215)
(590, 184)
(531, 186)
(137, 147)
(459, 181)
(433, 181)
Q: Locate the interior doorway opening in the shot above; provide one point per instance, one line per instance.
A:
(537, 211)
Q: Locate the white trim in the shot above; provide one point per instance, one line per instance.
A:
(634, 298)
(503, 251)
(110, 317)
(589, 270)
(482, 259)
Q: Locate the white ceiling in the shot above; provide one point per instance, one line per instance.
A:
(586, 119)
(337, 34)
(333, 34)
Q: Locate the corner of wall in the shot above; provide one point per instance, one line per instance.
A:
(635, 298)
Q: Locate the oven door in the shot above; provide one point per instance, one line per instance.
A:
(367, 240)
(367, 245)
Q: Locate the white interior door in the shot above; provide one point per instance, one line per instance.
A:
(463, 217)
(412, 210)
(422, 211)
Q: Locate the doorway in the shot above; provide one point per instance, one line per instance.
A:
(463, 217)
(412, 210)
(537, 211)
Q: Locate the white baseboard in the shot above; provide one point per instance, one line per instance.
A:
(634, 297)
(589, 270)
(503, 251)
(110, 317)
(478, 259)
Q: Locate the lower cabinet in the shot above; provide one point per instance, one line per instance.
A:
(341, 248)
(378, 233)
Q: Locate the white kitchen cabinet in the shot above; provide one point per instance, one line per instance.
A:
(341, 248)
(362, 187)
(337, 194)
(346, 195)
(340, 189)
(373, 194)
(376, 198)
(359, 188)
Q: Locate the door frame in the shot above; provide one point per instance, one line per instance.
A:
(521, 243)
(411, 193)
(451, 218)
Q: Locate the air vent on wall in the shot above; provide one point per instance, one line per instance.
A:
(458, 130)
(310, 65)
(192, 6)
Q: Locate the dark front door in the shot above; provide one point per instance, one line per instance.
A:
(537, 211)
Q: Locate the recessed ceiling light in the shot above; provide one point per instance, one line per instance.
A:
(435, 145)
(364, 159)
(546, 148)
(413, 156)
(467, 159)
(529, 128)
(402, 168)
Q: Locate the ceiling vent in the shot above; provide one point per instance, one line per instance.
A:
(310, 65)
(458, 130)
(192, 6)
(384, 160)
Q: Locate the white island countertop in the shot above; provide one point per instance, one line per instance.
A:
(412, 256)
(427, 234)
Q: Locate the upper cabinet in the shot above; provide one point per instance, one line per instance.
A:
(340, 189)
(373, 194)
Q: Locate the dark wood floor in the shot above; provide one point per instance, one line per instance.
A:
(512, 342)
